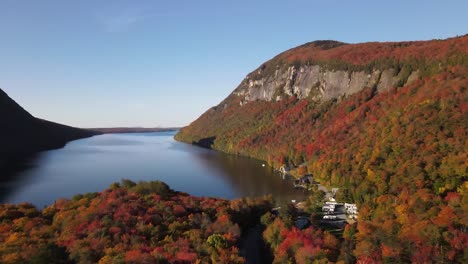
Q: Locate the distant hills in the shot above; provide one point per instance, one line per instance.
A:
(22, 134)
(386, 123)
(114, 130)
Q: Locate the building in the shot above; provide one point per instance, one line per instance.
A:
(351, 210)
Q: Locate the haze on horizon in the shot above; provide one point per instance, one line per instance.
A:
(127, 63)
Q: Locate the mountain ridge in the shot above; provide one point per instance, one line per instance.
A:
(344, 69)
(319, 81)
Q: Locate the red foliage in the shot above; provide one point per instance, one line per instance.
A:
(364, 53)
(186, 257)
(120, 224)
(136, 257)
(401, 154)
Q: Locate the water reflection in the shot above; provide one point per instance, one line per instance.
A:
(11, 172)
(249, 178)
(92, 164)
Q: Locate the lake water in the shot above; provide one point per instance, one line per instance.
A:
(92, 164)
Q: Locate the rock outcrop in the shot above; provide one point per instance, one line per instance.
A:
(315, 82)
(324, 70)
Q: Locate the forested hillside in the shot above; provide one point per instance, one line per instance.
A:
(387, 123)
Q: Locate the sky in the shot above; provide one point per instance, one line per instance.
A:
(163, 63)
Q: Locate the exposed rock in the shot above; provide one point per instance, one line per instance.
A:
(259, 90)
(359, 80)
(315, 82)
(413, 77)
(334, 84)
(387, 80)
(291, 78)
(307, 77)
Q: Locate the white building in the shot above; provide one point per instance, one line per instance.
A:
(351, 209)
(328, 208)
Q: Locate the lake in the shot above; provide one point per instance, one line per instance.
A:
(92, 164)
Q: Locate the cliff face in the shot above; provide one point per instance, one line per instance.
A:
(325, 70)
(318, 83)
(21, 133)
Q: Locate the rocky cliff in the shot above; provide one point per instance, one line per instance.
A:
(317, 82)
(325, 70)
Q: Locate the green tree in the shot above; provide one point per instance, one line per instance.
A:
(217, 241)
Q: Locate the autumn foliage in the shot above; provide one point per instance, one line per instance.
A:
(400, 155)
(143, 223)
(364, 53)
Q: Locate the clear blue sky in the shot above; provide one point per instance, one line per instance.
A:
(163, 63)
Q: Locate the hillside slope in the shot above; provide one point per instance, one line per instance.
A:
(293, 106)
(21, 133)
(385, 122)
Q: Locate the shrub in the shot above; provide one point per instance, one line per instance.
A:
(217, 241)
(152, 187)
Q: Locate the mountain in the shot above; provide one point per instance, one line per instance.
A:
(22, 134)
(293, 106)
(386, 123)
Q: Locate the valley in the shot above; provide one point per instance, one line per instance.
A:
(372, 135)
